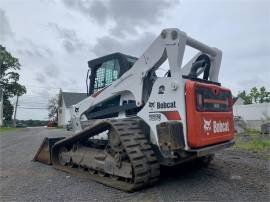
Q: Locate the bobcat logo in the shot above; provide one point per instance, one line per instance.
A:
(152, 105)
(207, 125)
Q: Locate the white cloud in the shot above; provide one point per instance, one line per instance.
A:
(127, 16)
(5, 30)
(136, 47)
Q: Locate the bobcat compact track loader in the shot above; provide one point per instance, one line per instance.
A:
(133, 121)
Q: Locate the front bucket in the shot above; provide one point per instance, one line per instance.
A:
(43, 154)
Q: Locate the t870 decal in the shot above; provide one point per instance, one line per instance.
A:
(170, 115)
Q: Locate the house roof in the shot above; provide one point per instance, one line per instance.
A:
(72, 98)
(235, 99)
(238, 100)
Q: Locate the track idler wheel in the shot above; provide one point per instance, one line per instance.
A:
(91, 171)
(101, 174)
(115, 141)
(114, 177)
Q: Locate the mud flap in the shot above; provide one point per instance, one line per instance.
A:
(43, 154)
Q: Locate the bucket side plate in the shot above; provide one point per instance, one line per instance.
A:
(43, 154)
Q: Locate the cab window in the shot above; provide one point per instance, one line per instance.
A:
(207, 101)
(106, 73)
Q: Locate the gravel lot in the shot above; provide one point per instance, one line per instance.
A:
(233, 176)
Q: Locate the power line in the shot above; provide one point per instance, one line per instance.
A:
(35, 97)
(52, 88)
(32, 107)
(38, 94)
(46, 87)
(32, 102)
(23, 105)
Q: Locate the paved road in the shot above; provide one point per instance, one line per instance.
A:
(233, 176)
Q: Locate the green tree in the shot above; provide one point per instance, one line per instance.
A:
(9, 78)
(7, 109)
(247, 99)
(53, 106)
(264, 96)
(255, 96)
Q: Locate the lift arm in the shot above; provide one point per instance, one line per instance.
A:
(170, 44)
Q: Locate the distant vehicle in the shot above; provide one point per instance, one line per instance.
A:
(51, 124)
(20, 125)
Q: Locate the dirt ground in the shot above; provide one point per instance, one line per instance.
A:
(234, 175)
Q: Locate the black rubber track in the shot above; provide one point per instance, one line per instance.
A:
(144, 162)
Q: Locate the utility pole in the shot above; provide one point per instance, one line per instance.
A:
(16, 105)
(1, 106)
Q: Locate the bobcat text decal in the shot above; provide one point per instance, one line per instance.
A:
(215, 126)
(221, 127)
(162, 105)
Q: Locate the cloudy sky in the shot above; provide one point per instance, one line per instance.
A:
(54, 39)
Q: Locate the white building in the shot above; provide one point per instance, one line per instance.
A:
(253, 114)
(65, 102)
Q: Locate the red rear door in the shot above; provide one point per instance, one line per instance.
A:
(209, 114)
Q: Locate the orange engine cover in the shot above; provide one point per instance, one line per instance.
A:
(209, 114)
